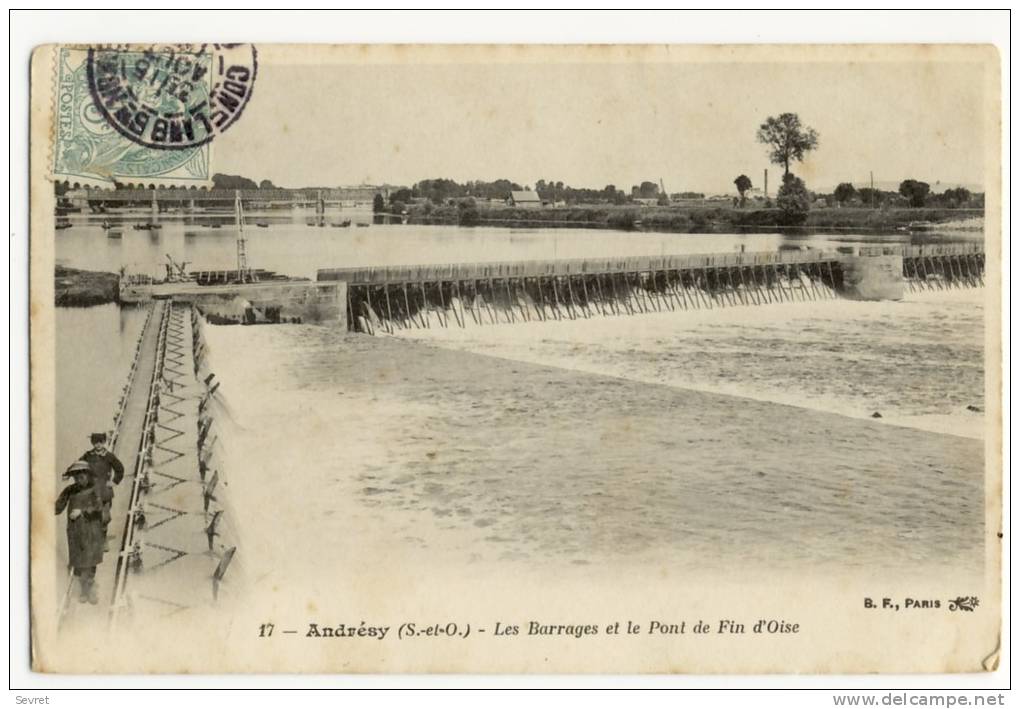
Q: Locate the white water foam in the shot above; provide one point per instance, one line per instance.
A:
(917, 362)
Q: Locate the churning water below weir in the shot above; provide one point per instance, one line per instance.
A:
(917, 362)
(615, 442)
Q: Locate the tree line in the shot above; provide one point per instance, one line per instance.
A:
(788, 141)
(442, 190)
(912, 193)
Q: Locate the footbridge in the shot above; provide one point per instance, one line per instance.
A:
(172, 541)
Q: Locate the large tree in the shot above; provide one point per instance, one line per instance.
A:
(915, 191)
(647, 190)
(743, 184)
(844, 192)
(793, 199)
(787, 139)
(401, 195)
(870, 196)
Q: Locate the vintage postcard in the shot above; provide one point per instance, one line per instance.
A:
(515, 359)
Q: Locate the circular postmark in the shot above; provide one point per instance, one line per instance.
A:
(172, 97)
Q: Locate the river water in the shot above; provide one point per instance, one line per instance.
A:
(95, 348)
(347, 451)
(917, 362)
(287, 245)
(381, 410)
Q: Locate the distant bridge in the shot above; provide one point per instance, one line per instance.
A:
(363, 193)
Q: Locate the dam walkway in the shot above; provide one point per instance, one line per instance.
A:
(384, 299)
(172, 547)
(124, 440)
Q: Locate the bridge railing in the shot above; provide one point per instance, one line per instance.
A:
(219, 195)
(927, 250)
(565, 267)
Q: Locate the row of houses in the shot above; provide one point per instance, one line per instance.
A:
(525, 198)
(530, 198)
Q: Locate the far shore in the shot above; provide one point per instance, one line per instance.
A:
(700, 219)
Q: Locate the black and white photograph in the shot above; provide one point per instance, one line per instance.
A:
(515, 359)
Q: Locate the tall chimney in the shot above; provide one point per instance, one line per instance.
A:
(766, 183)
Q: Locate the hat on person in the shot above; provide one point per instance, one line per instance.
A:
(78, 466)
(98, 438)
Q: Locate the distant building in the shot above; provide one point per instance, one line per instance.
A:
(524, 198)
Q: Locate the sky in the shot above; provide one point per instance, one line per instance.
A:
(399, 118)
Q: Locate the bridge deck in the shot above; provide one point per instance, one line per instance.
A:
(565, 267)
(381, 275)
(126, 434)
(172, 194)
(389, 297)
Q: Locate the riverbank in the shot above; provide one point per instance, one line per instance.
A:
(78, 288)
(688, 219)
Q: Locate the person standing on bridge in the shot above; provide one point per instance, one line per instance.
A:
(104, 465)
(84, 527)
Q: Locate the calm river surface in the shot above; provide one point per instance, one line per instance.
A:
(289, 246)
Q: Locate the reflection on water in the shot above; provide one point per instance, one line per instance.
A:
(289, 246)
(94, 350)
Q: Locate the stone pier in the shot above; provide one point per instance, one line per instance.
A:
(873, 274)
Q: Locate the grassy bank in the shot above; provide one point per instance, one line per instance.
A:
(685, 219)
(77, 288)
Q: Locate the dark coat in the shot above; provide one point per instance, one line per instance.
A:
(104, 467)
(85, 536)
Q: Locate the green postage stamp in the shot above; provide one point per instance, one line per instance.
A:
(133, 114)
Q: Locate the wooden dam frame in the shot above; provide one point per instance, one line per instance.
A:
(457, 295)
(572, 289)
(939, 267)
